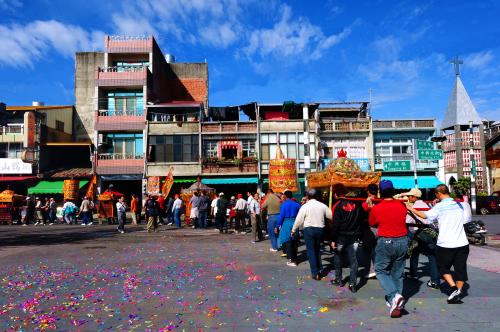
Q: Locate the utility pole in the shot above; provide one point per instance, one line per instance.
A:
(414, 153)
(472, 169)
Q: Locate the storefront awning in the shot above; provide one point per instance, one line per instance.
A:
(230, 181)
(50, 187)
(407, 182)
(16, 178)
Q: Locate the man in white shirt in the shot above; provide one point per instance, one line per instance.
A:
(241, 212)
(254, 212)
(312, 217)
(452, 244)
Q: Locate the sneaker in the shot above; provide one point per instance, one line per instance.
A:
(273, 250)
(433, 285)
(51, 224)
(396, 306)
(455, 297)
(36, 224)
(387, 303)
(253, 242)
(338, 282)
(170, 224)
(283, 255)
(83, 224)
(372, 275)
(290, 263)
(353, 288)
(24, 225)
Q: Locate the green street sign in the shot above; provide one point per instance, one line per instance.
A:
(430, 154)
(474, 167)
(397, 165)
(425, 145)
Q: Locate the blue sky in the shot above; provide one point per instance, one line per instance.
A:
(271, 51)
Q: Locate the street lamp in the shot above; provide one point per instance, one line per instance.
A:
(472, 169)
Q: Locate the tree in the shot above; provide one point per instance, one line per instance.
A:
(462, 186)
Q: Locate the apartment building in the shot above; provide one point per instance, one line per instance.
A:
(114, 90)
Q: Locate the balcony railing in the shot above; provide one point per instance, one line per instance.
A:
(215, 165)
(12, 129)
(121, 113)
(229, 127)
(122, 69)
(402, 124)
(119, 156)
(345, 126)
(122, 76)
(128, 44)
(120, 120)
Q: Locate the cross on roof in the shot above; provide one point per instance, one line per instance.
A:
(457, 62)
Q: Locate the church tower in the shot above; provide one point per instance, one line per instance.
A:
(464, 152)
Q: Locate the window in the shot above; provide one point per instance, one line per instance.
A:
(176, 148)
(383, 140)
(4, 150)
(125, 103)
(59, 125)
(11, 150)
(248, 148)
(383, 151)
(129, 146)
(210, 148)
(400, 149)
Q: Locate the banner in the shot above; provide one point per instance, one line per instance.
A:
(169, 182)
(153, 185)
(14, 166)
(92, 186)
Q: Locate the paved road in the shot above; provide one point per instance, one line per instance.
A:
(92, 279)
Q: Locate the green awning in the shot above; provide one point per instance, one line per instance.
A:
(407, 182)
(186, 180)
(51, 187)
(230, 181)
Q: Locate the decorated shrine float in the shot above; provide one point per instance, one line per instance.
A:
(342, 170)
(282, 173)
(186, 195)
(10, 206)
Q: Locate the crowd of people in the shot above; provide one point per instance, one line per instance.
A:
(376, 230)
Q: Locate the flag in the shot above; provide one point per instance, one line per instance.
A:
(169, 181)
(92, 185)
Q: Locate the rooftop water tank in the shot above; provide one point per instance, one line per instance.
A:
(37, 103)
(170, 58)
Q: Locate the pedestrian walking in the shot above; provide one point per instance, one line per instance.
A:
(240, 208)
(170, 213)
(69, 211)
(452, 244)
(272, 205)
(203, 206)
(177, 209)
(390, 254)
(161, 209)
(312, 216)
(52, 211)
(417, 244)
(254, 212)
(121, 209)
(220, 213)
(134, 209)
(39, 211)
(152, 210)
(288, 212)
(194, 212)
(86, 212)
(369, 234)
(348, 218)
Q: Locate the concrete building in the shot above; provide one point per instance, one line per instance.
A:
(492, 148)
(32, 141)
(114, 90)
(464, 132)
(393, 144)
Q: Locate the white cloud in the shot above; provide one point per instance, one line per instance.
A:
(22, 45)
(10, 5)
(292, 37)
(478, 61)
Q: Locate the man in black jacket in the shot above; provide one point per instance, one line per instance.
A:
(348, 217)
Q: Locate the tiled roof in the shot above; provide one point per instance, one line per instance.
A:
(68, 173)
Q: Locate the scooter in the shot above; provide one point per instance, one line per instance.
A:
(476, 231)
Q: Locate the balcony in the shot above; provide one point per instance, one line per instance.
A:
(430, 165)
(106, 120)
(122, 76)
(229, 127)
(12, 133)
(119, 163)
(345, 126)
(403, 125)
(215, 166)
(128, 44)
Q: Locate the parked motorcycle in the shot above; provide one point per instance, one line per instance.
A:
(476, 231)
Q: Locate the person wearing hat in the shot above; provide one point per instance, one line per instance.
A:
(312, 216)
(392, 244)
(220, 216)
(413, 197)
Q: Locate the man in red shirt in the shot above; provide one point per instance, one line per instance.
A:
(390, 254)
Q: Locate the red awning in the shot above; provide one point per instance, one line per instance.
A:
(16, 178)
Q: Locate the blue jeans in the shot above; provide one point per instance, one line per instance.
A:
(433, 268)
(177, 217)
(313, 237)
(121, 221)
(351, 247)
(87, 218)
(390, 259)
(202, 219)
(271, 225)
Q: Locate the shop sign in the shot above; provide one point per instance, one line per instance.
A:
(14, 166)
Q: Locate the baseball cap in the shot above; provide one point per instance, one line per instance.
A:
(386, 185)
(221, 194)
(413, 192)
